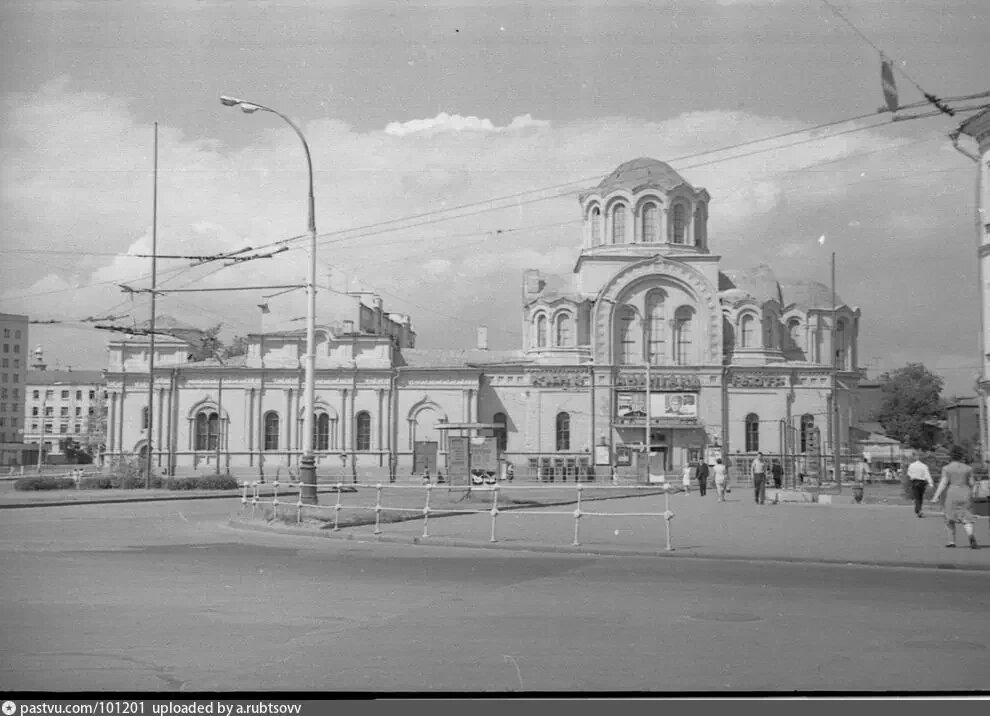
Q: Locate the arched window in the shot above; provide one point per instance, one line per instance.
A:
(563, 431)
(794, 333)
(752, 433)
(650, 224)
(807, 433)
(207, 430)
(841, 352)
(679, 222)
(747, 329)
(362, 430)
(501, 434)
(563, 329)
(699, 226)
(321, 431)
(619, 224)
(596, 226)
(657, 341)
(541, 331)
(627, 336)
(271, 430)
(683, 338)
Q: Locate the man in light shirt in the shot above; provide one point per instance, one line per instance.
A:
(921, 479)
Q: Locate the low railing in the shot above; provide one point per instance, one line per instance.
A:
(252, 496)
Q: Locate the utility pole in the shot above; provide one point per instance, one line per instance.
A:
(151, 333)
(836, 467)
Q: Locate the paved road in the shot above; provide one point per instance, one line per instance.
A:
(166, 597)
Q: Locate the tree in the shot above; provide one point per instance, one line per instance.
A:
(74, 452)
(911, 402)
(237, 347)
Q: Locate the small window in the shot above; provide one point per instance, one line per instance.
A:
(271, 430)
(678, 224)
(563, 336)
(752, 433)
(563, 431)
(747, 331)
(64, 413)
(321, 431)
(207, 430)
(78, 395)
(619, 224)
(65, 395)
(36, 394)
(541, 331)
(651, 224)
(808, 433)
(363, 430)
(596, 226)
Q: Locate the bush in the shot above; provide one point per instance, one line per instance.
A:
(96, 482)
(44, 483)
(211, 482)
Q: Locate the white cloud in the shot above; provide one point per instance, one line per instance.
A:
(444, 122)
(76, 177)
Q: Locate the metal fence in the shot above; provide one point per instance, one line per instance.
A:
(252, 499)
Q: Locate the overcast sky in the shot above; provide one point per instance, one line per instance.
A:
(412, 109)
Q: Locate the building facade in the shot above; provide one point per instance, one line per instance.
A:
(63, 404)
(13, 370)
(978, 127)
(647, 356)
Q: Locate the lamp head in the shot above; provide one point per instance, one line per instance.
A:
(246, 107)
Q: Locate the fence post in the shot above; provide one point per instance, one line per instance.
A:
(577, 516)
(254, 499)
(275, 499)
(426, 511)
(336, 507)
(494, 510)
(667, 515)
(378, 508)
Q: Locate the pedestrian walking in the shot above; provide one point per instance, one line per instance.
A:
(777, 470)
(958, 486)
(920, 479)
(862, 471)
(703, 477)
(759, 470)
(721, 479)
(686, 478)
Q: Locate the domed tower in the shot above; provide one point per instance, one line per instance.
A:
(645, 207)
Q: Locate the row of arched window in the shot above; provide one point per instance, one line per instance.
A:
(658, 339)
(749, 337)
(325, 437)
(563, 330)
(647, 224)
(752, 432)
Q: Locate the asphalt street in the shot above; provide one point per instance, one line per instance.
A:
(168, 597)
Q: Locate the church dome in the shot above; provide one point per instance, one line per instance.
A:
(808, 294)
(758, 282)
(641, 173)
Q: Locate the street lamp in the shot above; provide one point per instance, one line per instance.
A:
(307, 466)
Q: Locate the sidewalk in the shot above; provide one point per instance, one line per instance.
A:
(864, 534)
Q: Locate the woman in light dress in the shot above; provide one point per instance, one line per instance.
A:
(686, 478)
(958, 485)
(721, 478)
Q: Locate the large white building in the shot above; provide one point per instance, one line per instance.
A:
(647, 330)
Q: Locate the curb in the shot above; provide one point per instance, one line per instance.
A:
(118, 500)
(342, 536)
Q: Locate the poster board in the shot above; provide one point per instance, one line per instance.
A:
(602, 456)
(458, 459)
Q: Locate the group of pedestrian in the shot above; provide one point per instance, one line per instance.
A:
(956, 490)
(760, 469)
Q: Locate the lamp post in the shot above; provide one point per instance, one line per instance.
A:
(307, 466)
